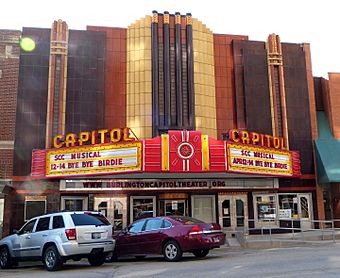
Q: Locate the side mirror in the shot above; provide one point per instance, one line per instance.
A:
(15, 231)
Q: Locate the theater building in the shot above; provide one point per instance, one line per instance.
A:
(165, 117)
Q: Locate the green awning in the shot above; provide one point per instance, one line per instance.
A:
(327, 151)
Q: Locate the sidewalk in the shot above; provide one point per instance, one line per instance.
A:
(263, 241)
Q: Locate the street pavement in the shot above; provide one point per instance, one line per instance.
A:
(306, 261)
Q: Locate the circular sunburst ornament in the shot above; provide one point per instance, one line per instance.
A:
(27, 44)
(185, 150)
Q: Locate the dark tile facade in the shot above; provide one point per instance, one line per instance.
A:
(31, 100)
(297, 100)
(85, 81)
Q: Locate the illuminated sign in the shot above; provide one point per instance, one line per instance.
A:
(254, 138)
(257, 160)
(93, 160)
(101, 136)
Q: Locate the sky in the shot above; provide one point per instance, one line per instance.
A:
(295, 21)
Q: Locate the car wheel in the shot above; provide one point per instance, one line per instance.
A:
(111, 257)
(5, 258)
(51, 259)
(201, 253)
(172, 251)
(97, 260)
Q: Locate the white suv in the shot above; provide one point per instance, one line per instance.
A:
(55, 238)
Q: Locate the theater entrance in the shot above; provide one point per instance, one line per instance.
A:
(115, 210)
(233, 212)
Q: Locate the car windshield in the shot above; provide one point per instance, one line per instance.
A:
(186, 220)
(89, 219)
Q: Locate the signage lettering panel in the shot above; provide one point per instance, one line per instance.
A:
(93, 160)
(255, 160)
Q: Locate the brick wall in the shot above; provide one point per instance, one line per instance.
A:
(9, 71)
(334, 98)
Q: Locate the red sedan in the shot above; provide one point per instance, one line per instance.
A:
(170, 236)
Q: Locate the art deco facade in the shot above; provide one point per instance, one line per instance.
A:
(167, 73)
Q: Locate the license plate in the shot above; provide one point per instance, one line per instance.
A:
(216, 239)
(96, 235)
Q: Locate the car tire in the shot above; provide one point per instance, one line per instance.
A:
(172, 252)
(5, 258)
(111, 257)
(201, 253)
(51, 259)
(97, 260)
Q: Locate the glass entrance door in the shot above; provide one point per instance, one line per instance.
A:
(233, 212)
(114, 209)
(304, 209)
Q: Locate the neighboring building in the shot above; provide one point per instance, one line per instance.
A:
(9, 72)
(327, 145)
(179, 88)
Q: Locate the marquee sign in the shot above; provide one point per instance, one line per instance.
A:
(112, 152)
(93, 160)
(251, 159)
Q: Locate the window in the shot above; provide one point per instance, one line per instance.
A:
(288, 206)
(136, 227)
(34, 207)
(58, 222)
(166, 224)
(74, 203)
(187, 220)
(266, 207)
(203, 207)
(89, 219)
(239, 213)
(226, 213)
(43, 224)
(153, 224)
(142, 207)
(8, 50)
(27, 228)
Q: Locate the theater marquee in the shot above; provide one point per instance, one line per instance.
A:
(93, 160)
(249, 159)
(108, 152)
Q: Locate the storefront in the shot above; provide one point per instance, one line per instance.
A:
(124, 200)
(183, 172)
(5, 189)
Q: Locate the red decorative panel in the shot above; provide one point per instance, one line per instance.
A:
(38, 163)
(152, 155)
(296, 164)
(185, 151)
(217, 155)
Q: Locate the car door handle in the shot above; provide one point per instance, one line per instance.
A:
(28, 237)
(44, 235)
